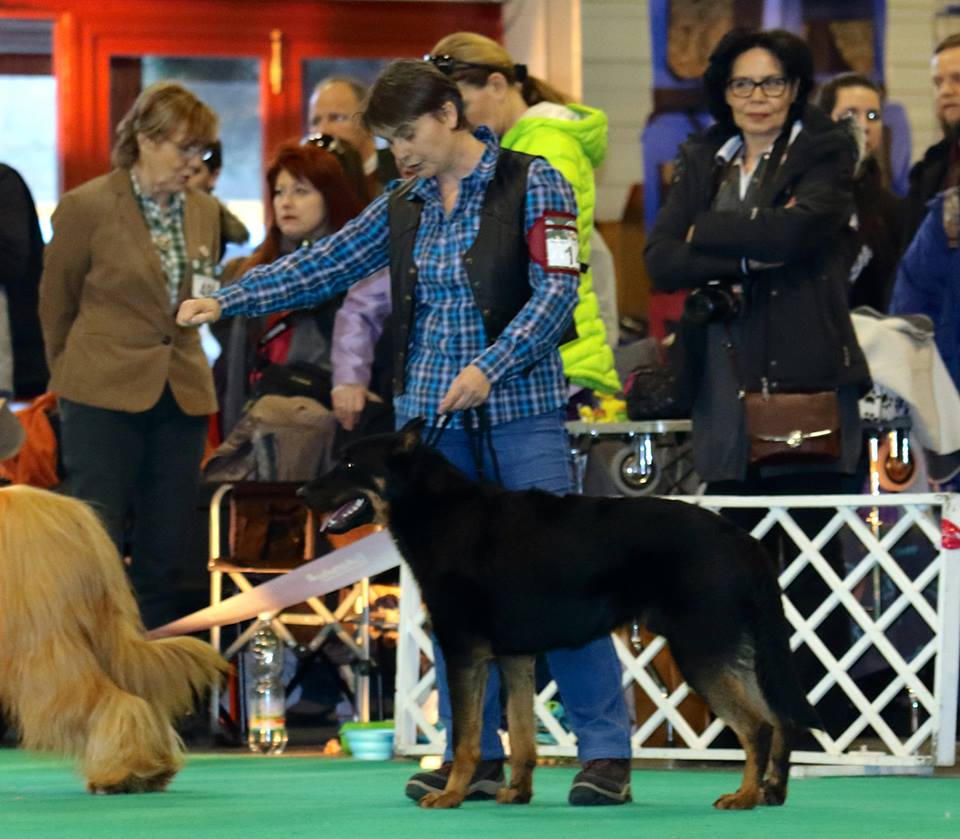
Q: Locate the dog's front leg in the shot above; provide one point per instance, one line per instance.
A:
(518, 676)
(467, 679)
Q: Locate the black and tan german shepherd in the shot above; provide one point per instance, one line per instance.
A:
(506, 575)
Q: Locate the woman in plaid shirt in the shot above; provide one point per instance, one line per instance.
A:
(451, 360)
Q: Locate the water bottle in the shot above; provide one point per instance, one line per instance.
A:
(266, 699)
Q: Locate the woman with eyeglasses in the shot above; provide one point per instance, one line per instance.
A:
(311, 198)
(757, 226)
(135, 390)
(879, 225)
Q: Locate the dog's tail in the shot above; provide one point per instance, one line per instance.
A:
(64, 586)
(776, 672)
(170, 673)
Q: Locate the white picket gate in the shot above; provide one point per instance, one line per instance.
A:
(924, 596)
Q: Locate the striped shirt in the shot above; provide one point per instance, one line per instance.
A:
(166, 230)
(523, 364)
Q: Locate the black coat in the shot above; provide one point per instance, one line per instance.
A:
(927, 177)
(797, 328)
(880, 217)
(21, 262)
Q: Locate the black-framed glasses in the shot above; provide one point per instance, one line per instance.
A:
(772, 86)
(448, 65)
(869, 116)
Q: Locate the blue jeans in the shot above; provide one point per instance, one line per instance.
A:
(534, 452)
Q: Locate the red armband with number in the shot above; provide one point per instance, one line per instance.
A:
(554, 243)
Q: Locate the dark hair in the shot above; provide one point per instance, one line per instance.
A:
(948, 43)
(212, 157)
(322, 169)
(792, 53)
(406, 90)
(349, 159)
(827, 95)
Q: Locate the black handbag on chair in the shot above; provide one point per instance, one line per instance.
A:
(653, 392)
(660, 387)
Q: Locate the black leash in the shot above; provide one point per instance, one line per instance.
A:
(476, 425)
(435, 431)
(483, 436)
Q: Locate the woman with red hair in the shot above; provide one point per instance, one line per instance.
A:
(311, 197)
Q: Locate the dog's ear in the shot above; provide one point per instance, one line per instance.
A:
(410, 434)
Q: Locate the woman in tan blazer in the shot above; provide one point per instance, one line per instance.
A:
(135, 389)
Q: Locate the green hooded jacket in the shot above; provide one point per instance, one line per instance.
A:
(573, 139)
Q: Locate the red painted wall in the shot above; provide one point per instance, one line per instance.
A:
(88, 32)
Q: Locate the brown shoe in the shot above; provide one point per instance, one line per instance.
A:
(604, 781)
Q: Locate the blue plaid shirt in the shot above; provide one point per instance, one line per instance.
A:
(523, 364)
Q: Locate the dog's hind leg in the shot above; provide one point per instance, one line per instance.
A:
(734, 696)
(467, 679)
(518, 676)
(774, 785)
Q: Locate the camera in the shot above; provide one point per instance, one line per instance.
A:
(714, 302)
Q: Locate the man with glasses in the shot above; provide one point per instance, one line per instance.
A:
(335, 107)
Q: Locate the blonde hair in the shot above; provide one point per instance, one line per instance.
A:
(78, 675)
(159, 112)
(489, 56)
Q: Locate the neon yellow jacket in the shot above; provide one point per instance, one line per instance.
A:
(573, 138)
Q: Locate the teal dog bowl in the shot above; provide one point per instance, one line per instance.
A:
(370, 743)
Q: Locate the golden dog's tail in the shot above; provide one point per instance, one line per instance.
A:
(71, 579)
(77, 672)
(171, 673)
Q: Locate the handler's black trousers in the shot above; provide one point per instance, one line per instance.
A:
(140, 471)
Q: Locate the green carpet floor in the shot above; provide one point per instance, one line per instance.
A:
(254, 797)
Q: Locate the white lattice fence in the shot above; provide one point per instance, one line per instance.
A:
(909, 565)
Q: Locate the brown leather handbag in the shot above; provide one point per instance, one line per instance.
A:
(787, 428)
(793, 427)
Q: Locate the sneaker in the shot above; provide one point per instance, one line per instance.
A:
(486, 780)
(605, 781)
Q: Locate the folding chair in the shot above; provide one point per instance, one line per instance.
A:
(263, 528)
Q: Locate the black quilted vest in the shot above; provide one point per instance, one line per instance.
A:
(497, 263)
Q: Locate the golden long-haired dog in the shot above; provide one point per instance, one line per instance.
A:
(77, 673)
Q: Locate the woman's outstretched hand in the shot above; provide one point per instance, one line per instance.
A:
(194, 311)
